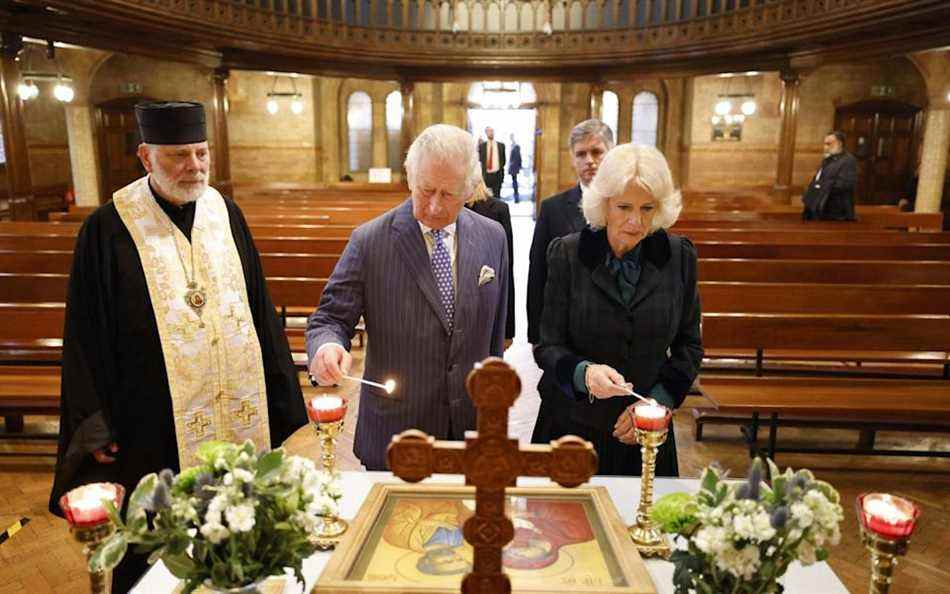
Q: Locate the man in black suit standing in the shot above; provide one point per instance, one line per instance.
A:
(830, 195)
(561, 215)
(514, 166)
(491, 153)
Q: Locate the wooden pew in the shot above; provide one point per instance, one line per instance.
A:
(825, 271)
(743, 297)
(868, 405)
(836, 251)
(820, 236)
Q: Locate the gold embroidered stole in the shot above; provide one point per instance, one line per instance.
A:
(214, 363)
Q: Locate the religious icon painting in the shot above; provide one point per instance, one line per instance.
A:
(409, 539)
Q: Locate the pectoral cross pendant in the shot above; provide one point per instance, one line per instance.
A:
(195, 297)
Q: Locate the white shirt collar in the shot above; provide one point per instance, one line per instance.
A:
(449, 229)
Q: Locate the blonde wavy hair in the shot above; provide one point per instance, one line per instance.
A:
(639, 163)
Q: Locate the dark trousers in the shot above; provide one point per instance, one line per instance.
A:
(494, 181)
(514, 184)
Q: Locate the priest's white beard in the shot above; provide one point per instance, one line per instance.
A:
(178, 192)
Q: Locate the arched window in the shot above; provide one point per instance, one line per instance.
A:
(394, 130)
(359, 122)
(610, 110)
(646, 117)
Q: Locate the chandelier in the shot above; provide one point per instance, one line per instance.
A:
(295, 97)
(734, 108)
(28, 89)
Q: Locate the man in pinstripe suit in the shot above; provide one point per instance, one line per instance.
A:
(430, 280)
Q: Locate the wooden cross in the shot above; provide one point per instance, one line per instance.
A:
(198, 424)
(245, 412)
(490, 461)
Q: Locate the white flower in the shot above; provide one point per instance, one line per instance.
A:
(762, 526)
(741, 563)
(243, 458)
(240, 517)
(306, 521)
(802, 514)
(217, 505)
(711, 540)
(242, 475)
(322, 506)
(215, 533)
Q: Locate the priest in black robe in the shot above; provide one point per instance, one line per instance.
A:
(124, 410)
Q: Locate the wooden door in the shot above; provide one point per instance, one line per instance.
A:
(881, 135)
(119, 139)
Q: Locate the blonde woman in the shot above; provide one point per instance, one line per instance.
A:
(621, 308)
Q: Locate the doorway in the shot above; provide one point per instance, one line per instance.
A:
(509, 108)
(881, 134)
(119, 140)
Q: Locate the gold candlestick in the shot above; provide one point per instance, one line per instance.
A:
(884, 553)
(329, 532)
(649, 540)
(100, 582)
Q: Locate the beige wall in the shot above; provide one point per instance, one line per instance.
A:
(265, 147)
(712, 165)
(44, 120)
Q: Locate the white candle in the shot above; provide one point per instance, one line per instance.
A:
(651, 417)
(327, 402)
(90, 497)
(884, 509)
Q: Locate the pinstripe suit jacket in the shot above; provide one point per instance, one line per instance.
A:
(385, 276)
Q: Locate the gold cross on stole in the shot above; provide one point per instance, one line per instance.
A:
(198, 424)
(490, 461)
(245, 412)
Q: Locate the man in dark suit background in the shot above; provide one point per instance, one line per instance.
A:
(514, 167)
(830, 195)
(491, 154)
(430, 279)
(561, 215)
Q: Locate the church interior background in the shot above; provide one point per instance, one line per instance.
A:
(307, 93)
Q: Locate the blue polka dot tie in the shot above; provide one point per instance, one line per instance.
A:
(442, 270)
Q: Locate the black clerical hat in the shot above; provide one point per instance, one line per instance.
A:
(171, 122)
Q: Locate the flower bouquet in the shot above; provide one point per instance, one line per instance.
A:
(741, 537)
(230, 522)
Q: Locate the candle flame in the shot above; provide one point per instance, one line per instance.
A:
(390, 386)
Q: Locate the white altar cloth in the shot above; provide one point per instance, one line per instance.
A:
(624, 491)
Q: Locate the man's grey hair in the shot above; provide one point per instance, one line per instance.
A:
(447, 144)
(639, 163)
(592, 127)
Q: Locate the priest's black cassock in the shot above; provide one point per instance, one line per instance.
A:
(114, 382)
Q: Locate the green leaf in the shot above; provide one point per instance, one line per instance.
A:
(143, 492)
(113, 514)
(268, 466)
(180, 566)
(109, 553)
(821, 554)
(709, 480)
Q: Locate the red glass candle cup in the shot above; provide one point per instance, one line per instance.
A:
(887, 516)
(83, 505)
(649, 417)
(326, 409)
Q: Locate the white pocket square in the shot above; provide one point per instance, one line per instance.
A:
(486, 275)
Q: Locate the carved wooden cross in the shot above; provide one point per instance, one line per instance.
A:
(490, 461)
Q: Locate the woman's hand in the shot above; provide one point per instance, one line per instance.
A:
(603, 381)
(625, 430)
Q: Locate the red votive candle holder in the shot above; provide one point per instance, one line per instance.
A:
(326, 408)
(83, 505)
(651, 417)
(886, 515)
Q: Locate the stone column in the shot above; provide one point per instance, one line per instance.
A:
(624, 131)
(19, 181)
(596, 100)
(934, 66)
(788, 110)
(80, 130)
(671, 139)
(222, 146)
(379, 132)
(406, 88)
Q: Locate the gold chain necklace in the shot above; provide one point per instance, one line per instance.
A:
(194, 295)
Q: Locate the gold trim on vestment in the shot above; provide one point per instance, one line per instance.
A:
(214, 363)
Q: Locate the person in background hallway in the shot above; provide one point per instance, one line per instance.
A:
(621, 305)
(496, 210)
(561, 214)
(491, 153)
(830, 195)
(514, 167)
